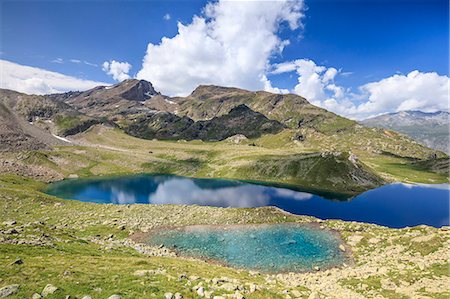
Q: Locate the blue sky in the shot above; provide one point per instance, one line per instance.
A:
(366, 41)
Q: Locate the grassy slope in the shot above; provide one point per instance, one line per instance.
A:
(77, 257)
(213, 159)
(275, 158)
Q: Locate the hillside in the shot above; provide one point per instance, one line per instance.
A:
(430, 129)
(263, 136)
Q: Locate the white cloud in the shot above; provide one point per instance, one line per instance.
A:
(269, 88)
(34, 80)
(90, 63)
(284, 67)
(75, 60)
(229, 45)
(414, 91)
(58, 60)
(118, 70)
(167, 17)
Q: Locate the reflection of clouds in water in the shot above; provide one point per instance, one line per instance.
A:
(418, 185)
(121, 197)
(184, 191)
(292, 194)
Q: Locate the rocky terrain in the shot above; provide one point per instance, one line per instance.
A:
(430, 129)
(52, 248)
(240, 120)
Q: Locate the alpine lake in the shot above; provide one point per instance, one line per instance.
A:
(267, 248)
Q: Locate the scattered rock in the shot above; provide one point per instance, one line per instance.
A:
(178, 296)
(17, 262)
(374, 240)
(201, 291)
(9, 290)
(296, 293)
(229, 287)
(168, 296)
(114, 297)
(11, 231)
(238, 295)
(86, 297)
(9, 222)
(236, 139)
(36, 296)
(314, 295)
(342, 247)
(388, 284)
(48, 290)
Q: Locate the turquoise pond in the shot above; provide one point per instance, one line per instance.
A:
(265, 248)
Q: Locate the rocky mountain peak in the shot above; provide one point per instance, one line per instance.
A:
(136, 90)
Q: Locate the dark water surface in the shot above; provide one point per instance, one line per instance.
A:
(266, 248)
(395, 205)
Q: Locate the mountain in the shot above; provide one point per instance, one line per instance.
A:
(239, 120)
(294, 111)
(430, 129)
(252, 135)
(37, 122)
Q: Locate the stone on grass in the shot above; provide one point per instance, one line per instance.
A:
(36, 296)
(201, 291)
(9, 290)
(86, 297)
(314, 295)
(9, 222)
(168, 296)
(114, 297)
(17, 262)
(48, 290)
(178, 296)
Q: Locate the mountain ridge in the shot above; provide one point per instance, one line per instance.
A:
(278, 132)
(428, 128)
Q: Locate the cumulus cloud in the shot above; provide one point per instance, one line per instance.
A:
(414, 91)
(167, 17)
(34, 80)
(118, 70)
(269, 88)
(229, 45)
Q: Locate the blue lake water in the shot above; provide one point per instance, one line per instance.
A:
(395, 205)
(265, 248)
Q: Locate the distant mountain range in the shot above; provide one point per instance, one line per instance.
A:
(430, 129)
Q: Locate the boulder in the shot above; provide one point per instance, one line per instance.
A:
(9, 290)
(48, 290)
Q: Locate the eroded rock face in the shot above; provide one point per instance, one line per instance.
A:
(241, 120)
